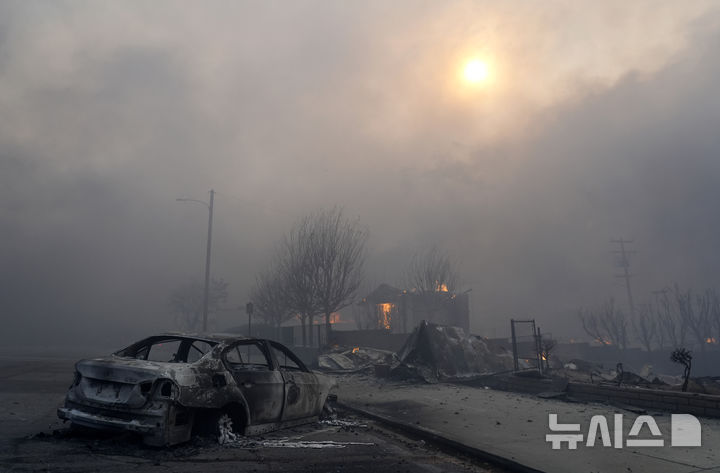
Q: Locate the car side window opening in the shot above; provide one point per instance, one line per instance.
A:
(285, 360)
(168, 350)
(247, 356)
(165, 351)
(197, 350)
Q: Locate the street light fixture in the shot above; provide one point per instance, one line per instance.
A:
(207, 254)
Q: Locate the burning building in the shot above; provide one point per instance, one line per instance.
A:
(400, 311)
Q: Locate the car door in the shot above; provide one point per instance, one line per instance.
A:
(262, 385)
(302, 393)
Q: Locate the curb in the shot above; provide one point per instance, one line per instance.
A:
(439, 439)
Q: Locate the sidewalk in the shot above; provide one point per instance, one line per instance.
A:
(513, 426)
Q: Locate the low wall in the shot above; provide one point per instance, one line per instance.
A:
(672, 401)
(686, 403)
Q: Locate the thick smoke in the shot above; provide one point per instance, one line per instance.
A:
(599, 123)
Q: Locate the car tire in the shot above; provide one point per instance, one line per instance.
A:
(80, 430)
(328, 411)
(222, 425)
(227, 429)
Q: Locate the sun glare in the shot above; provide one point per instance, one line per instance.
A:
(476, 71)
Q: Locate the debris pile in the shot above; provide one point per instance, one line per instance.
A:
(437, 352)
(356, 359)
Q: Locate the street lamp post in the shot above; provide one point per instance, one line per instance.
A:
(206, 295)
(249, 309)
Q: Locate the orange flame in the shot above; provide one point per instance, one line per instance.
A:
(385, 310)
(441, 287)
(710, 340)
(356, 349)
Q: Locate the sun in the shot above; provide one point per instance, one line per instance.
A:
(476, 71)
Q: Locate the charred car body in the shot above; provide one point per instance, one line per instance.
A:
(165, 386)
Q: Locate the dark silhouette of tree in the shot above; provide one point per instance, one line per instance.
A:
(268, 298)
(645, 326)
(186, 302)
(546, 347)
(608, 325)
(670, 323)
(321, 265)
(715, 314)
(338, 257)
(431, 272)
(433, 277)
(297, 274)
(683, 357)
(696, 313)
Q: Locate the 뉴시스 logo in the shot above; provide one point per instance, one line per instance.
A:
(684, 432)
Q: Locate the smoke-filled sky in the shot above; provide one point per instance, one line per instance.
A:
(598, 120)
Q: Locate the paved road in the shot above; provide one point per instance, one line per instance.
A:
(32, 388)
(514, 426)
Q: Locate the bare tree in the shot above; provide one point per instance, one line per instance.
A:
(186, 302)
(546, 347)
(432, 271)
(268, 297)
(672, 327)
(684, 357)
(322, 265)
(607, 326)
(338, 257)
(695, 313)
(298, 275)
(715, 313)
(645, 326)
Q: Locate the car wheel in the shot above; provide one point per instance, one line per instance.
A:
(222, 425)
(81, 430)
(227, 424)
(226, 431)
(328, 411)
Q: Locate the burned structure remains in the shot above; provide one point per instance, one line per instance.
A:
(400, 311)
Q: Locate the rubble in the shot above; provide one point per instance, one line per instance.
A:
(435, 352)
(356, 359)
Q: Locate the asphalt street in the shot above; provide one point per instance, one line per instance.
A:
(32, 439)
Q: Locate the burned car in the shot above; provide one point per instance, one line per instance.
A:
(167, 386)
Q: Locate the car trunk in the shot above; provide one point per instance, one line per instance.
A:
(118, 382)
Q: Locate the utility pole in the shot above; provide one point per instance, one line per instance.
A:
(206, 294)
(206, 297)
(624, 264)
(249, 310)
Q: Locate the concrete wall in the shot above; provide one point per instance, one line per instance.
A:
(685, 403)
